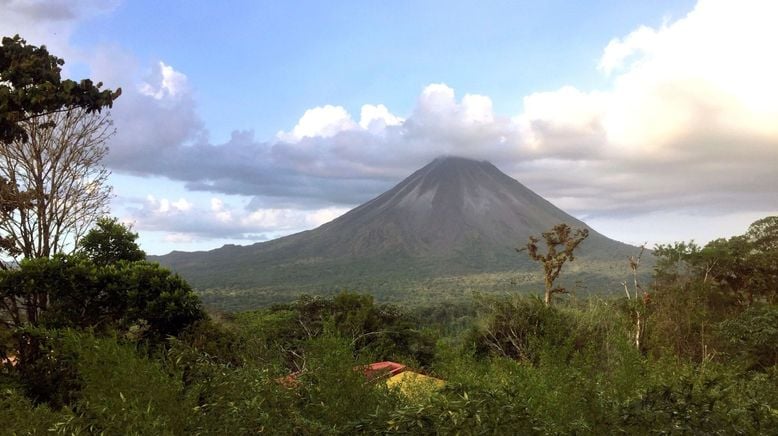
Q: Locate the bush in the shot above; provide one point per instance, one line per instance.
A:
(692, 400)
(101, 385)
(73, 292)
(520, 327)
(752, 337)
(21, 416)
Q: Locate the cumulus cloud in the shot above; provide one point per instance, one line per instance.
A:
(322, 122)
(167, 83)
(155, 120)
(688, 120)
(691, 119)
(375, 118)
(188, 221)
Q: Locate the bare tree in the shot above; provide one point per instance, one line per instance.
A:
(641, 298)
(560, 241)
(59, 172)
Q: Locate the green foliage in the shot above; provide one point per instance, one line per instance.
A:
(519, 327)
(691, 400)
(333, 394)
(156, 296)
(752, 337)
(763, 234)
(74, 292)
(110, 242)
(700, 288)
(561, 243)
(124, 393)
(98, 385)
(462, 410)
(46, 369)
(22, 417)
(680, 322)
(673, 262)
(743, 267)
(30, 85)
(383, 332)
(214, 379)
(12, 200)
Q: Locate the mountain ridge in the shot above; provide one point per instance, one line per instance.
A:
(454, 216)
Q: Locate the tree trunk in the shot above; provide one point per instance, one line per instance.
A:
(549, 291)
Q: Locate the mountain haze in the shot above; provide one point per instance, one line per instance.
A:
(452, 217)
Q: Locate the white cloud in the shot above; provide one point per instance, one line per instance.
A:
(185, 221)
(290, 219)
(562, 122)
(182, 204)
(165, 206)
(169, 83)
(690, 119)
(477, 109)
(437, 98)
(375, 118)
(711, 69)
(323, 122)
(179, 238)
(325, 215)
(619, 50)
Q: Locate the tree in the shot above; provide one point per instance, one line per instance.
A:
(641, 300)
(110, 242)
(741, 270)
(71, 291)
(560, 237)
(31, 86)
(764, 234)
(58, 169)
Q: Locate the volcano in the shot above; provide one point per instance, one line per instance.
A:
(452, 217)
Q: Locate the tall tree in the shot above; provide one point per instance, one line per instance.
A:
(560, 241)
(30, 88)
(58, 168)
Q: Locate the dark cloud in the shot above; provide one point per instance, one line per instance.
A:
(702, 168)
(41, 10)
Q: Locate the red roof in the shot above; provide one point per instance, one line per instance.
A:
(381, 369)
(372, 372)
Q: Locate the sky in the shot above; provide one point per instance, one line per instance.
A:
(244, 121)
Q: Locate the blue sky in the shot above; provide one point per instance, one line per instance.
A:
(259, 65)
(243, 121)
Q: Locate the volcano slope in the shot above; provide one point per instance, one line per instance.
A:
(453, 225)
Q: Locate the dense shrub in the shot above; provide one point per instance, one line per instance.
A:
(99, 385)
(520, 327)
(74, 292)
(751, 337)
(378, 332)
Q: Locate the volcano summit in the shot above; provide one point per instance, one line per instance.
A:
(453, 217)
